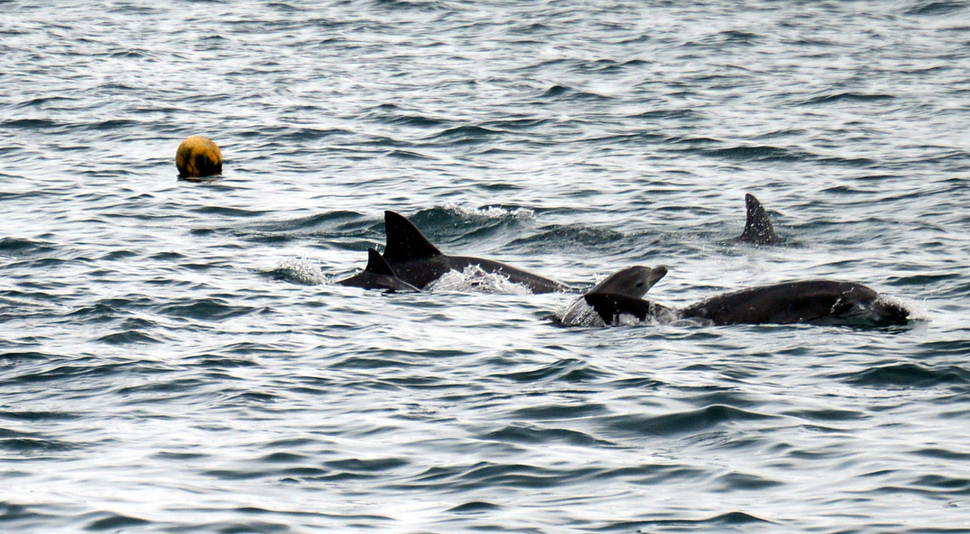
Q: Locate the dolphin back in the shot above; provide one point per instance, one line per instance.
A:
(812, 301)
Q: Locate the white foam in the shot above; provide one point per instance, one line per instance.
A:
(579, 313)
(917, 310)
(474, 278)
(491, 212)
(301, 271)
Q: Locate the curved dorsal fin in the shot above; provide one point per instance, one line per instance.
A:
(757, 228)
(377, 264)
(404, 241)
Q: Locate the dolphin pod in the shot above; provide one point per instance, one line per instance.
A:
(411, 263)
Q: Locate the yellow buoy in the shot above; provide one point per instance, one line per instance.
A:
(198, 156)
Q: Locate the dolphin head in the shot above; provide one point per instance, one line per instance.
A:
(631, 282)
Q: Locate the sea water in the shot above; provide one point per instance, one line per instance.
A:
(174, 355)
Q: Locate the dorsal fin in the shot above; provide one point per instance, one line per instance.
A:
(404, 241)
(377, 264)
(758, 229)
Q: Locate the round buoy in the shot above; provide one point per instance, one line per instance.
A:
(198, 156)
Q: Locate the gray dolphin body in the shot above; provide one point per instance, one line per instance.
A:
(812, 302)
(415, 260)
(758, 229)
(377, 275)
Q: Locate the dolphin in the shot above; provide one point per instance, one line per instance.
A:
(418, 262)
(811, 301)
(377, 275)
(632, 282)
(758, 229)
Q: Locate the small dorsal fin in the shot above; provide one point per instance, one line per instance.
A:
(404, 241)
(377, 264)
(758, 229)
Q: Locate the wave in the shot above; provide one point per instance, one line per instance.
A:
(934, 8)
(13, 246)
(568, 369)
(688, 422)
(209, 309)
(729, 519)
(128, 337)
(108, 521)
(339, 229)
(908, 375)
(526, 434)
(847, 97)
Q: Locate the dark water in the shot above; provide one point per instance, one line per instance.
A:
(175, 358)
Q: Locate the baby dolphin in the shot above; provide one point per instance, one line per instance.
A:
(632, 282)
(418, 262)
(758, 229)
(377, 275)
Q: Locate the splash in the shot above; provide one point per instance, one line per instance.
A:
(491, 212)
(474, 278)
(579, 313)
(300, 271)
